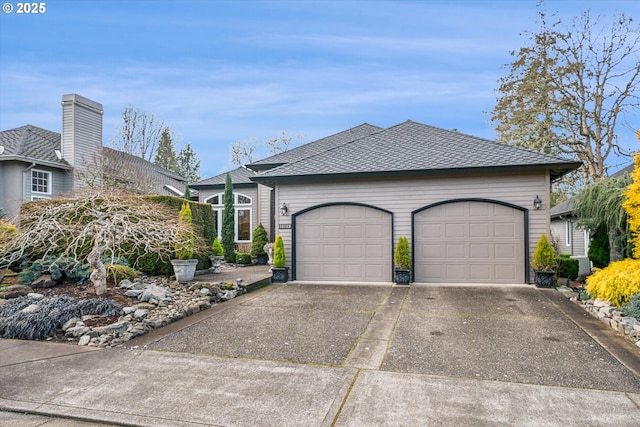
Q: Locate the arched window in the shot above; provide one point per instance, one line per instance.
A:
(242, 207)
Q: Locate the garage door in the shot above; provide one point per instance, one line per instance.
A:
(469, 242)
(343, 243)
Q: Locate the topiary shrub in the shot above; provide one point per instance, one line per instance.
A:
(259, 240)
(243, 258)
(402, 256)
(60, 269)
(279, 258)
(216, 247)
(185, 241)
(617, 282)
(568, 267)
(543, 257)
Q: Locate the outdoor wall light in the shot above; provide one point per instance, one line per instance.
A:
(284, 209)
(537, 202)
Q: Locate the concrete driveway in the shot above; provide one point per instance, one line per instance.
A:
(349, 355)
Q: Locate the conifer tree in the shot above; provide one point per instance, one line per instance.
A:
(228, 222)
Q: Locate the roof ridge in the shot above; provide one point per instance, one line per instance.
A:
(332, 148)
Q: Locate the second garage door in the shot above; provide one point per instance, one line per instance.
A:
(343, 242)
(469, 242)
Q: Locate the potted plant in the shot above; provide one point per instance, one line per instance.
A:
(216, 257)
(403, 262)
(184, 266)
(542, 263)
(260, 239)
(279, 273)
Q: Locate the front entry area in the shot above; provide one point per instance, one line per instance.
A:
(469, 242)
(343, 242)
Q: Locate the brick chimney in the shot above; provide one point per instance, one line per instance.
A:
(81, 137)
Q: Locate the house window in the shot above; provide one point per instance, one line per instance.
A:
(242, 207)
(568, 232)
(40, 183)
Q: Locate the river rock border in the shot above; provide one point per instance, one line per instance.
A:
(158, 302)
(614, 318)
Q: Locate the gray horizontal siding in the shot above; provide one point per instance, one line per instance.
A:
(403, 196)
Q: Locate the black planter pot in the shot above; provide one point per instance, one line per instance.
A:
(545, 279)
(262, 259)
(280, 275)
(403, 277)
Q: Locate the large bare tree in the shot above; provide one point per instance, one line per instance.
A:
(93, 223)
(140, 133)
(568, 89)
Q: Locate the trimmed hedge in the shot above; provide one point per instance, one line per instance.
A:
(243, 258)
(568, 267)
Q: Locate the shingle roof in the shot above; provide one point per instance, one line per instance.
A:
(414, 147)
(318, 146)
(621, 172)
(31, 143)
(238, 176)
(563, 208)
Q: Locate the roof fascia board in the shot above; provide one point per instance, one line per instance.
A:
(36, 161)
(565, 167)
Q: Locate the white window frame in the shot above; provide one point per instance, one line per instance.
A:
(568, 226)
(219, 208)
(39, 194)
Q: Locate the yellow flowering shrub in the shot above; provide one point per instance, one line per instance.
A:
(616, 283)
(632, 205)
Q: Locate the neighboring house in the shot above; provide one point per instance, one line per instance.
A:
(37, 163)
(572, 239)
(342, 202)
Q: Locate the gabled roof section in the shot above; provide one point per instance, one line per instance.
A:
(561, 209)
(315, 147)
(412, 148)
(32, 144)
(621, 172)
(239, 176)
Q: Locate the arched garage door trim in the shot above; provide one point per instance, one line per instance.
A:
(524, 211)
(324, 205)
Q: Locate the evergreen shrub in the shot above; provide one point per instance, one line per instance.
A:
(632, 307)
(216, 247)
(60, 269)
(402, 256)
(243, 258)
(568, 267)
(599, 249)
(543, 256)
(259, 240)
(279, 258)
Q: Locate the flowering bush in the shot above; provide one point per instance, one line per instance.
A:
(616, 283)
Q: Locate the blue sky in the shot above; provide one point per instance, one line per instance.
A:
(223, 71)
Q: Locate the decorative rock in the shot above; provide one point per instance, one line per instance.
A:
(155, 292)
(140, 314)
(128, 310)
(34, 295)
(33, 308)
(84, 340)
(71, 323)
(133, 293)
(15, 291)
(206, 292)
(44, 281)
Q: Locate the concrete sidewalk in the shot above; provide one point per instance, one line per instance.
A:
(291, 355)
